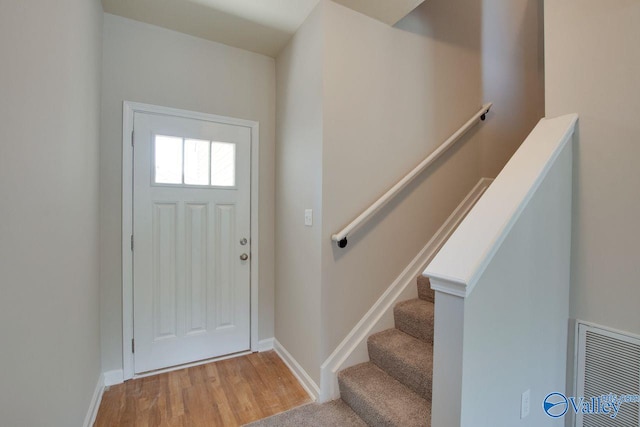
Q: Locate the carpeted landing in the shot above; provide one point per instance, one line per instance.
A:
(393, 389)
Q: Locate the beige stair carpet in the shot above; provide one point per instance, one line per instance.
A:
(331, 414)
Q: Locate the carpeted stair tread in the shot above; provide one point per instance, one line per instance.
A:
(380, 400)
(407, 359)
(424, 289)
(415, 317)
(331, 414)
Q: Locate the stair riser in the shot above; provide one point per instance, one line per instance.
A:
(360, 406)
(380, 400)
(424, 290)
(418, 328)
(417, 379)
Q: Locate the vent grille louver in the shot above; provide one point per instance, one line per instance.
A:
(608, 362)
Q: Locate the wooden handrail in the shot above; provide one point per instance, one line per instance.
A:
(341, 236)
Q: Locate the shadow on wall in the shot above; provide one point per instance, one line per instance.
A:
(509, 35)
(451, 26)
(424, 21)
(512, 76)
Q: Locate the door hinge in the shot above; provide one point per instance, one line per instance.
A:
(133, 345)
(132, 243)
(132, 138)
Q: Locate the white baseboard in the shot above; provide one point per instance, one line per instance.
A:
(307, 382)
(353, 349)
(92, 413)
(265, 344)
(113, 377)
(105, 379)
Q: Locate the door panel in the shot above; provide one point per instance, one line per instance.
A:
(191, 209)
(196, 267)
(225, 221)
(164, 276)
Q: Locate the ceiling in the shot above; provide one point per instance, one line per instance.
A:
(262, 26)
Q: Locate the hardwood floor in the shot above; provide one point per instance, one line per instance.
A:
(230, 392)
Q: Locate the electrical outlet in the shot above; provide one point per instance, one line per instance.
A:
(525, 403)
(308, 217)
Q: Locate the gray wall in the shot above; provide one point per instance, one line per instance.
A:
(49, 133)
(592, 68)
(148, 64)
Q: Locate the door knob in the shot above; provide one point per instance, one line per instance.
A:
(243, 241)
(244, 257)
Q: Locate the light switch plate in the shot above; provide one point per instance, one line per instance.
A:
(525, 403)
(308, 217)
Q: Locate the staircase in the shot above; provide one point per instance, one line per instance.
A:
(393, 388)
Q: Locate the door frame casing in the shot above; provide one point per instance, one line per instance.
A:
(128, 110)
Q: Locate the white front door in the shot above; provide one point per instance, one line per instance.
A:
(191, 240)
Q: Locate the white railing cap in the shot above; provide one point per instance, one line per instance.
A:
(462, 260)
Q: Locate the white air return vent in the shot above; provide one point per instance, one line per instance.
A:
(608, 362)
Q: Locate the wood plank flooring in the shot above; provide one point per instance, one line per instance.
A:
(230, 392)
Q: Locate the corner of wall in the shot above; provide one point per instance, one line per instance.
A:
(94, 405)
(298, 185)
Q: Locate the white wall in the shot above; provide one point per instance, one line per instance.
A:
(592, 68)
(516, 318)
(49, 133)
(503, 282)
(299, 187)
(148, 64)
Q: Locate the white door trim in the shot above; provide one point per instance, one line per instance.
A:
(128, 110)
